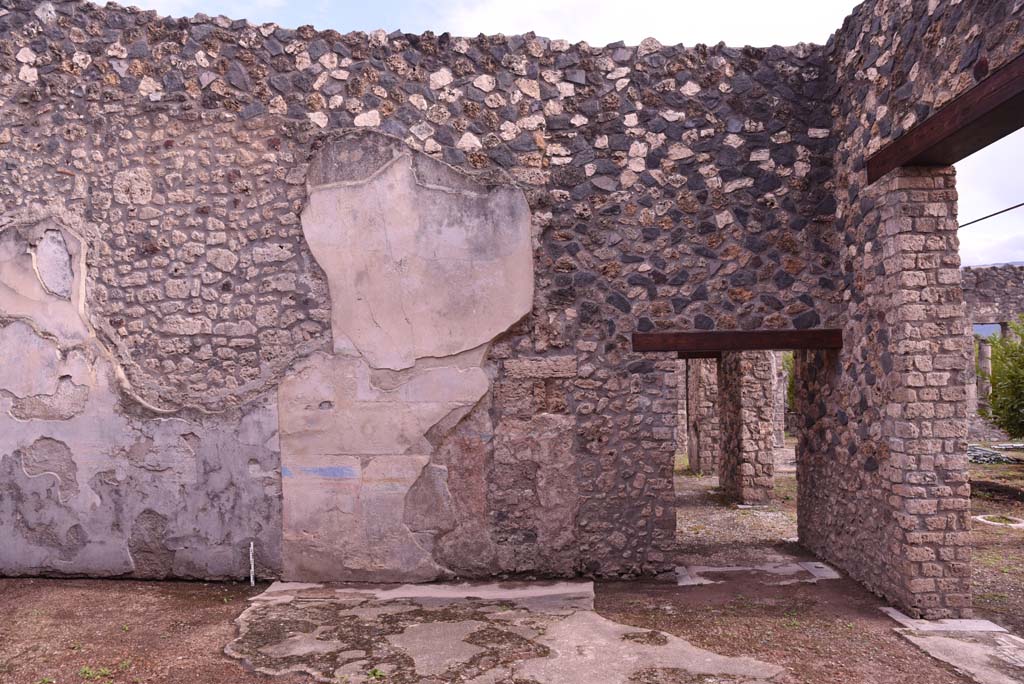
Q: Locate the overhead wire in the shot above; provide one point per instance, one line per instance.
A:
(1003, 211)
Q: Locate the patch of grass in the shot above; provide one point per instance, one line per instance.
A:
(94, 673)
(376, 675)
(999, 560)
(46, 680)
(993, 597)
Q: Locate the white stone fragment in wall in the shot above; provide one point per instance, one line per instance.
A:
(368, 119)
(440, 78)
(485, 83)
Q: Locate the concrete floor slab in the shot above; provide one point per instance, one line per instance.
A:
(985, 657)
(941, 625)
(794, 572)
(542, 632)
(978, 649)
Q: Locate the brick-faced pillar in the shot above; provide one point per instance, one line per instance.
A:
(927, 415)
(746, 420)
(882, 458)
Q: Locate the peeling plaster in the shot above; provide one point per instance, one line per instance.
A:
(426, 267)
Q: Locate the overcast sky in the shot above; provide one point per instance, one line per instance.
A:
(989, 181)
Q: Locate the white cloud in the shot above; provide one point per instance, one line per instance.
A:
(255, 10)
(599, 22)
(987, 182)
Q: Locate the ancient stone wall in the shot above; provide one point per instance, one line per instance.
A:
(882, 463)
(667, 187)
(881, 457)
(206, 278)
(93, 484)
(994, 294)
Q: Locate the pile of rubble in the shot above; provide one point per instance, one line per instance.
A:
(980, 454)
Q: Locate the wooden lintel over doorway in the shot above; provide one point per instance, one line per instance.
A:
(976, 118)
(717, 341)
(700, 355)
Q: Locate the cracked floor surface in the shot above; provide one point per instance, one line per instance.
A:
(504, 633)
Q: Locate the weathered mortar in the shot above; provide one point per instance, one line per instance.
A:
(669, 187)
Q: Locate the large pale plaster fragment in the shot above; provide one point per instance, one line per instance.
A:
(421, 260)
(425, 267)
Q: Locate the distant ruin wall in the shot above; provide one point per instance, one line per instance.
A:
(994, 294)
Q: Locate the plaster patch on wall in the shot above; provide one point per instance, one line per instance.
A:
(38, 361)
(53, 264)
(66, 402)
(421, 261)
(38, 278)
(425, 267)
(47, 456)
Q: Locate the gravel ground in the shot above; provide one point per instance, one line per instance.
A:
(74, 631)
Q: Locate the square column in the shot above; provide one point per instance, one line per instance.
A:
(702, 442)
(747, 422)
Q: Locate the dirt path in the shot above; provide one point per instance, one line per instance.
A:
(998, 569)
(831, 631)
(72, 631)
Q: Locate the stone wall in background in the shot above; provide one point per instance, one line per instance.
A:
(994, 294)
(703, 429)
(699, 379)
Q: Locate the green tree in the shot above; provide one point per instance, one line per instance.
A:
(1007, 399)
(789, 364)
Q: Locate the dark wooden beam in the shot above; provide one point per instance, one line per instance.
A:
(700, 355)
(737, 340)
(976, 118)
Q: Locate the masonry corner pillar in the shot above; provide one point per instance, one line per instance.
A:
(924, 423)
(746, 414)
